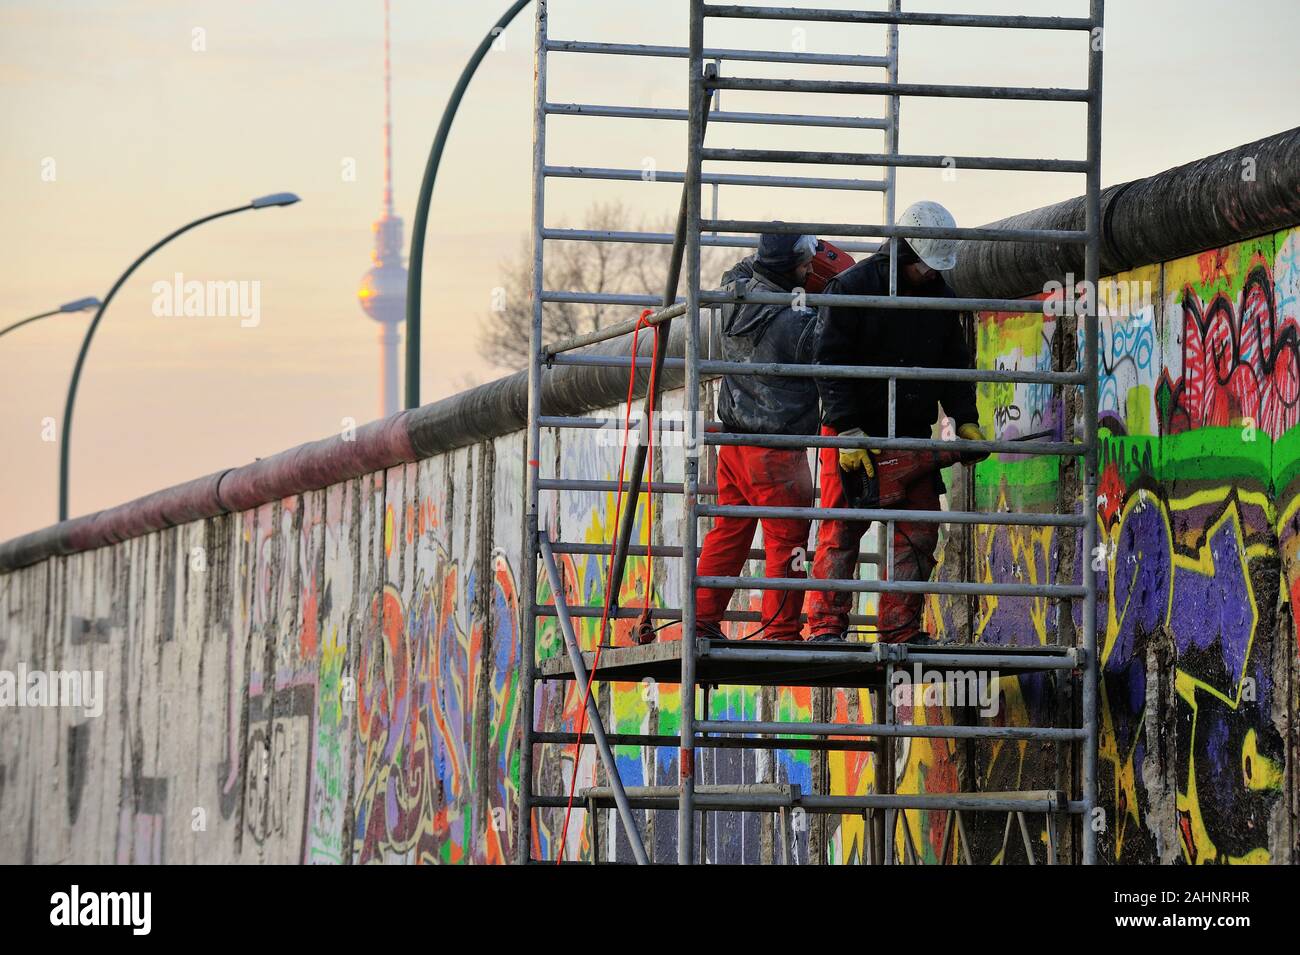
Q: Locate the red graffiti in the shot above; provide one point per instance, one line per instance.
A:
(1110, 493)
(1240, 368)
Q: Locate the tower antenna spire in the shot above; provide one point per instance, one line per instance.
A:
(383, 288)
(388, 116)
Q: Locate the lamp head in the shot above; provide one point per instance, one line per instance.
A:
(275, 199)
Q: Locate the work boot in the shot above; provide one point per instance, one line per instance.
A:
(708, 631)
(829, 636)
(778, 637)
(917, 638)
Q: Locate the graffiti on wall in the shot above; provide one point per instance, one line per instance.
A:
(370, 704)
(645, 708)
(420, 671)
(1198, 398)
(1238, 353)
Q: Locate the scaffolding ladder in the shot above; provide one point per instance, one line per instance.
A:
(696, 662)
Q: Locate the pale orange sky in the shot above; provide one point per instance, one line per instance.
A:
(146, 133)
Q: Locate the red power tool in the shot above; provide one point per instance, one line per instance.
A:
(829, 262)
(897, 471)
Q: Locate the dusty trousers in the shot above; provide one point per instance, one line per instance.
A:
(769, 477)
(900, 615)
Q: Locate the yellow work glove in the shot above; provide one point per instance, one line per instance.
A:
(972, 432)
(851, 459)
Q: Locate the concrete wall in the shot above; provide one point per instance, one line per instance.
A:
(333, 677)
(1197, 515)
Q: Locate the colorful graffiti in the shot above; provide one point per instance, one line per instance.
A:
(330, 758)
(646, 708)
(347, 666)
(1187, 519)
(1239, 355)
(421, 672)
(1198, 398)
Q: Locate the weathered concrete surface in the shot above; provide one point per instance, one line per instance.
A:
(1246, 191)
(1197, 518)
(333, 677)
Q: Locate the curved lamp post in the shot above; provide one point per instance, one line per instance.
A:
(412, 398)
(80, 305)
(65, 438)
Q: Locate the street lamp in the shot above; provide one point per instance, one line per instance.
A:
(80, 305)
(65, 438)
(422, 208)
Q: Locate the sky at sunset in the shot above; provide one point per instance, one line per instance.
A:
(122, 120)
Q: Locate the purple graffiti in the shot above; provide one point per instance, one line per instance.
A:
(1216, 605)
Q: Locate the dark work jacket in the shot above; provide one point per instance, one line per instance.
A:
(759, 332)
(849, 335)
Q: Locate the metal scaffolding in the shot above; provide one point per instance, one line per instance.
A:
(695, 662)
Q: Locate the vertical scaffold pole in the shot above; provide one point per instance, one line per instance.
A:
(884, 821)
(528, 563)
(1092, 270)
(582, 678)
(694, 443)
(885, 548)
(891, 144)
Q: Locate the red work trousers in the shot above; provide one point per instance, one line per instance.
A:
(900, 615)
(769, 477)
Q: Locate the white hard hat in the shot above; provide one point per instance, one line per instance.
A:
(806, 248)
(940, 254)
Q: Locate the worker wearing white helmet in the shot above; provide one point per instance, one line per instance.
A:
(927, 338)
(939, 254)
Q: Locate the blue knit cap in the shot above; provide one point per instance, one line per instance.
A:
(784, 251)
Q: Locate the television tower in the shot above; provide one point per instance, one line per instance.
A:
(383, 288)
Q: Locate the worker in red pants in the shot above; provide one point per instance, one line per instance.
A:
(926, 338)
(773, 477)
(899, 616)
(759, 404)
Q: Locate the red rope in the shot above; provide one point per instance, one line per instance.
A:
(609, 576)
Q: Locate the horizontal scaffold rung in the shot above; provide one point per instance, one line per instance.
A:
(617, 330)
(711, 435)
(821, 157)
(907, 302)
(783, 790)
(759, 662)
(898, 231)
(640, 550)
(669, 614)
(870, 88)
(710, 490)
(898, 730)
(664, 424)
(717, 742)
(600, 424)
(718, 53)
(716, 116)
(948, 587)
(901, 515)
(786, 370)
(964, 656)
(909, 18)
(900, 373)
(712, 179)
(901, 444)
(652, 487)
(1030, 801)
(666, 238)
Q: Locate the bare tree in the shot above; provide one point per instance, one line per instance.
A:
(614, 267)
